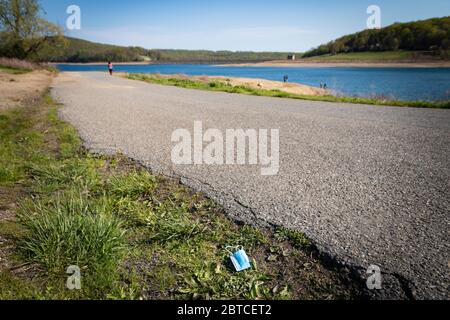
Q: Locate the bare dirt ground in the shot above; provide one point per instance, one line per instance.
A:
(17, 89)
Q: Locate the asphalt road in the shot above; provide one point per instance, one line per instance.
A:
(370, 185)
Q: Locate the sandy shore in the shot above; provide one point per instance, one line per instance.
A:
(315, 64)
(294, 88)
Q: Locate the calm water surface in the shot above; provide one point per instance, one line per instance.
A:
(395, 83)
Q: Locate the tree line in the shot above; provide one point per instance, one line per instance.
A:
(78, 50)
(23, 33)
(427, 35)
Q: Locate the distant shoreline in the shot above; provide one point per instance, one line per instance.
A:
(314, 64)
(196, 62)
(101, 63)
(286, 64)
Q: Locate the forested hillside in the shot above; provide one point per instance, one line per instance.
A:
(431, 35)
(217, 56)
(77, 50)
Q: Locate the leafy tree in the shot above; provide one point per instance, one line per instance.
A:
(23, 31)
(407, 39)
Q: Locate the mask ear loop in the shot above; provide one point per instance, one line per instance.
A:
(230, 248)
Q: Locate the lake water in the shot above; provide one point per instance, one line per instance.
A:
(396, 83)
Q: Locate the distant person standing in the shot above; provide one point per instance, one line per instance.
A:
(110, 68)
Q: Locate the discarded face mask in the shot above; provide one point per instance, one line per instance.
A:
(239, 258)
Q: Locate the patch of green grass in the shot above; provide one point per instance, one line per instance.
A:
(72, 231)
(382, 56)
(171, 222)
(298, 239)
(132, 184)
(52, 69)
(55, 176)
(11, 230)
(214, 282)
(69, 141)
(14, 288)
(19, 145)
(225, 87)
(193, 242)
(133, 213)
(249, 237)
(162, 278)
(12, 70)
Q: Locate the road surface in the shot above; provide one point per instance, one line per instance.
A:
(369, 185)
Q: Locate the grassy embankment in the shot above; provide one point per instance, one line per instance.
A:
(134, 235)
(385, 56)
(18, 67)
(225, 87)
(11, 70)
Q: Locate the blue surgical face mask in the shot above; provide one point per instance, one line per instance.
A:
(240, 260)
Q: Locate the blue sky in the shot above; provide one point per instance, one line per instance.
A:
(285, 25)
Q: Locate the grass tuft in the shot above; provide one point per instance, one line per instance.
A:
(72, 231)
(298, 239)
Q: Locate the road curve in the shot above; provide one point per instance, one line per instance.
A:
(370, 185)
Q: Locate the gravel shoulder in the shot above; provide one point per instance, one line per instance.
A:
(369, 185)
